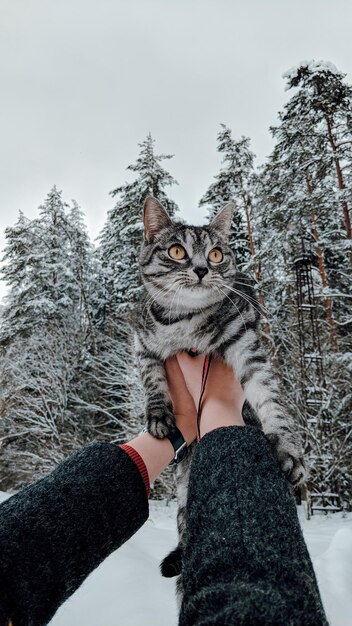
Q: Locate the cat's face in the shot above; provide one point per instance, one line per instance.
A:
(186, 267)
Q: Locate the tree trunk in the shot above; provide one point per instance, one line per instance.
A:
(324, 280)
(266, 324)
(340, 181)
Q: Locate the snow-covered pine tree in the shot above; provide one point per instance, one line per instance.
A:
(85, 271)
(323, 101)
(280, 221)
(121, 236)
(236, 181)
(45, 336)
(38, 270)
(20, 261)
(114, 375)
(233, 182)
(299, 207)
(326, 95)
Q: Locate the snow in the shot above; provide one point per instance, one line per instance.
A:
(128, 588)
(329, 540)
(313, 66)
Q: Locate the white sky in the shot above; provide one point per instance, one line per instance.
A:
(83, 81)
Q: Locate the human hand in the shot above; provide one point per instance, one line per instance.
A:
(157, 453)
(183, 405)
(222, 405)
(223, 396)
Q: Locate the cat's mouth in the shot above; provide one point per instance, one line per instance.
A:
(201, 285)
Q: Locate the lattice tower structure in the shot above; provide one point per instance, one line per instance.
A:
(320, 493)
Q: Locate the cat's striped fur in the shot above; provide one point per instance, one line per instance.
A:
(216, 313)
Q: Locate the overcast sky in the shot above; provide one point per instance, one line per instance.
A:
(82, 82)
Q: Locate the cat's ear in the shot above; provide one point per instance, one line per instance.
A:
(155, 218)
(222, 220)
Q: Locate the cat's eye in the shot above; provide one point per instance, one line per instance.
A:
(177, 253)
(215, 255)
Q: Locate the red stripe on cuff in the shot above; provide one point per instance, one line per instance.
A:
(139, 462)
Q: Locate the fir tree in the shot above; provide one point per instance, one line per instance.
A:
(116, 395)
(121, 237)
(323, 101)
(326, 99)
(19, 259)
(234, 183)
(85, 271)
(38, 269)
(45, 340)
(299, 211)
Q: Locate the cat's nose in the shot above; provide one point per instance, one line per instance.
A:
(200, 271)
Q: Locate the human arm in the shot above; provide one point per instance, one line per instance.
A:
(56, 531)
(245, 560)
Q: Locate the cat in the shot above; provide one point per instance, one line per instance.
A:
(196, 299)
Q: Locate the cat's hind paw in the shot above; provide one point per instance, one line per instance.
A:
(295, 470)
(290, 459)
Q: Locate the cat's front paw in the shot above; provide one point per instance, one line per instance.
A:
(160, 421)
(290, 458)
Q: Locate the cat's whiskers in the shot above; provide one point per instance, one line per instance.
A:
(251, 301)
(182, 284)
(237, 309)
(153, 298)
(254, 303)
(258, 287)
(173, 298)
(178, 302)
(245, 297)
(237, 282)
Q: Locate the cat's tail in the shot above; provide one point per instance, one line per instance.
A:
(172, 564)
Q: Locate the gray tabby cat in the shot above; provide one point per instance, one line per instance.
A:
(195, 298)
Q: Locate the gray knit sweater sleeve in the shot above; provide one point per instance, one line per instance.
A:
(245, 560)
(58, 530)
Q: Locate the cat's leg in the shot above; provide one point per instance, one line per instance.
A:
(158, 406)
(263, 392)
(182, 478)
(172, 564)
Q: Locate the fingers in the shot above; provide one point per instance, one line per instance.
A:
(192, 369)
(181, 398)
(182, 401)
(221, 381)
(175, 378)
(223, 395)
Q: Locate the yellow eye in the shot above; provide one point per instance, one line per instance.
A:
(177, 253)
(215, 255)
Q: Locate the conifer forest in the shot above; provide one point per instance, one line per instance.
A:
(68, 374)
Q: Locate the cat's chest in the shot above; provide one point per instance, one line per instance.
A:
(169, 337)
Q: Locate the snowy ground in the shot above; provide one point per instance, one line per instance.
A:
(128, 589)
